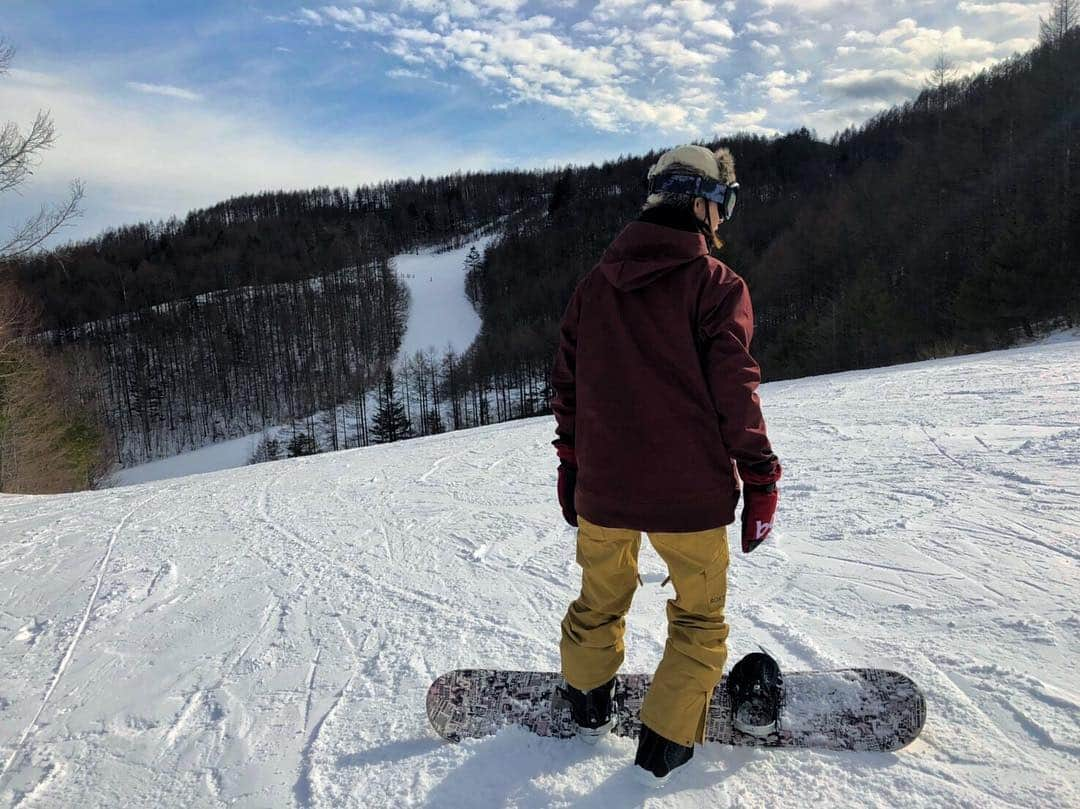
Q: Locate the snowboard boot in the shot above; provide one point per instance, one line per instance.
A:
(657, 757)
(755, 687)
(592, 710)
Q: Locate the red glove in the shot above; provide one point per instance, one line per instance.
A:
(760, 498)
(567, 483)
(759, 508)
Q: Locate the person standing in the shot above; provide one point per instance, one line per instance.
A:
(657, 419)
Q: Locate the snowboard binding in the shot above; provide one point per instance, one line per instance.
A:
(756, 689)
(593, 711)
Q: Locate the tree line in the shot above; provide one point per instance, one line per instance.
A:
(268, 238)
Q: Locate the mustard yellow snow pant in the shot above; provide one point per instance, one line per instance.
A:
(693, 662)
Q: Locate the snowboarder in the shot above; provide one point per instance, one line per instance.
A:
(655, 399)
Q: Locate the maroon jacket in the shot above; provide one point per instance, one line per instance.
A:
(654, 386)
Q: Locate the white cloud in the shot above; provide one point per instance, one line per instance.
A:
(807, 6)
(747, 118)
(164, 90)
(781, 78)
(615, 10)
(813, 7)
(885, 84)
(1020, 11)
(508, 6)
(859, 36)
(749, 121)
(767, 28)
(720, 29)
(909, 46)
(463, 9)
(717, 50)
(693, 10)
(771, 51)
(779, 94)
(673, 52)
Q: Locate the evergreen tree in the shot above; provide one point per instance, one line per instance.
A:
(391, 423)
(474, 267)
(473, 259)
(302, 444)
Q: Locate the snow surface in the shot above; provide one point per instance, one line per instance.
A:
(439, 311)
(440, 315)
(265, 636)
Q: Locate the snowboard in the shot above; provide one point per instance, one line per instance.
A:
(846, 709)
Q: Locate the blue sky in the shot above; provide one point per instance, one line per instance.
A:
(163, 107)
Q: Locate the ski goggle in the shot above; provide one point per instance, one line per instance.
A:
(695, 185)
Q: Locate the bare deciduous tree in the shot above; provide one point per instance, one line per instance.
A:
(1064, 15)
(20, 153)
(943, 71)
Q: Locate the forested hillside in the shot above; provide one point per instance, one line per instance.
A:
(258, 311)
(947, 224)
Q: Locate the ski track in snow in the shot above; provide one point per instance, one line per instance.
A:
(265, 636)
(75, 638)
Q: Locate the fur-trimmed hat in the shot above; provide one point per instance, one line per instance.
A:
(718, 165)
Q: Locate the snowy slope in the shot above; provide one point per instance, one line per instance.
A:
(264, 636)
(439, 315)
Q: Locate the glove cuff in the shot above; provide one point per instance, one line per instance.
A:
(754, 478)
(756, 488)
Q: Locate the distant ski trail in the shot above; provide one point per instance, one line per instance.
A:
(102, 566)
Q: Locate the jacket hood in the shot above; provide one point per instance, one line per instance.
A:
(645, 251)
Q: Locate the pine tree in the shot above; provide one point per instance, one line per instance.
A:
(391, 423)
(302, 444)
(474, 264)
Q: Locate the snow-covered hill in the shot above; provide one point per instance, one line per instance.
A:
(264, 636)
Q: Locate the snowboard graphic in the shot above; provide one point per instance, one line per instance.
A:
(846, 709)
